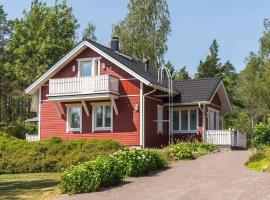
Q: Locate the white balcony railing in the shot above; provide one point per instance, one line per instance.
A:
(84, 85)
(226, 138)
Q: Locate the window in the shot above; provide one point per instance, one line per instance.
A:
(88, 66)
(74, 117)
(185, 120)
(159, 119)
(102, 115)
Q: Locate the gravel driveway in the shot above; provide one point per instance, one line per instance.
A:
(215, 176)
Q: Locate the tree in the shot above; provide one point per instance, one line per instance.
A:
(210, 67)
(144, 31)
(39, 39)
(5, 85)
(249, 89)
(89, 32)
(181, 74)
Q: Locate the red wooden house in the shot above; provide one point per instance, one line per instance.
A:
(98, 92)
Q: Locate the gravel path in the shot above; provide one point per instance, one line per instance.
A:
(215, 176)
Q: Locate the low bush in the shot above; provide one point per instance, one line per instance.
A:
(110, 170)
(260, 159)
(261, 135)
(92, 175)
(190, 150)
(138, 162)
(19, 129)
(55, 154)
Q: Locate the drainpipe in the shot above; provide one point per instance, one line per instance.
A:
(203, 115)
(146, 94)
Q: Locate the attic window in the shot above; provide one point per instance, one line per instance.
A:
(88, 66)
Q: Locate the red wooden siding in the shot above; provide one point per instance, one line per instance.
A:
(152, 138)
(126, 125)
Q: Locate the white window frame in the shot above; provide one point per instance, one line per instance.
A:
(95, 69)
(188, 109)
(94, 128)
(217, 118)
(160, 119)
(68, 122)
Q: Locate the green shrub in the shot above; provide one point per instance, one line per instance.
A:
(78, 179)
(19, 129)
(55, 154)
(189, 150)
(92, 175)
(138, 162)
(261, 135)
(260, 160)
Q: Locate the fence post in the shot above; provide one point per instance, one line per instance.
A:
(238, 139)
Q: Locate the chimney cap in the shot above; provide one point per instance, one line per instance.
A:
(115, 43)
(146, 64)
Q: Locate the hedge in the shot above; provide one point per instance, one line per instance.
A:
(190, 150)
(55, 154)
(92, 175)
(110, 170)
(138, 162)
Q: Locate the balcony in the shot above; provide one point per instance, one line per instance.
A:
(86, 87)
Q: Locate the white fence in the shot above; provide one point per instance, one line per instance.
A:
(225, 138)
(84, 85)
(31, 138)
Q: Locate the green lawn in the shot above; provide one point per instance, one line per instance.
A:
(29, 186)
(260, 160)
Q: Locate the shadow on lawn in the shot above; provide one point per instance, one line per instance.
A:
(15, 189)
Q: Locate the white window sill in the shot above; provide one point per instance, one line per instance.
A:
(185, 131)
(102, 129)
(74, 130)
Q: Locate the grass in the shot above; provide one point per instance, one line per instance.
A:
(32, 186)
(260, 160)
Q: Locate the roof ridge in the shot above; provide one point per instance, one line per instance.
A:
(197, 79)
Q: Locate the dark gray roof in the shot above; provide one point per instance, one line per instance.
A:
(195, 90)
(135, 65)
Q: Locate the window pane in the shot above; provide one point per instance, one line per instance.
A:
(108, 116)
(193, 120)
(184, 120)
(75, 117)
(86, 68)
(175, 120)
(99, 116)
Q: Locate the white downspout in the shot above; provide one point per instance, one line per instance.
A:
(203, 115)
(143, 109)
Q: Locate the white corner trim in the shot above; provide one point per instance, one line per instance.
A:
(141, 114)
(39, 112)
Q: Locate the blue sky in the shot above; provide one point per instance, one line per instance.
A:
(236, 24)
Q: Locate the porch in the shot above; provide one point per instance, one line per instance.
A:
(230, 138)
